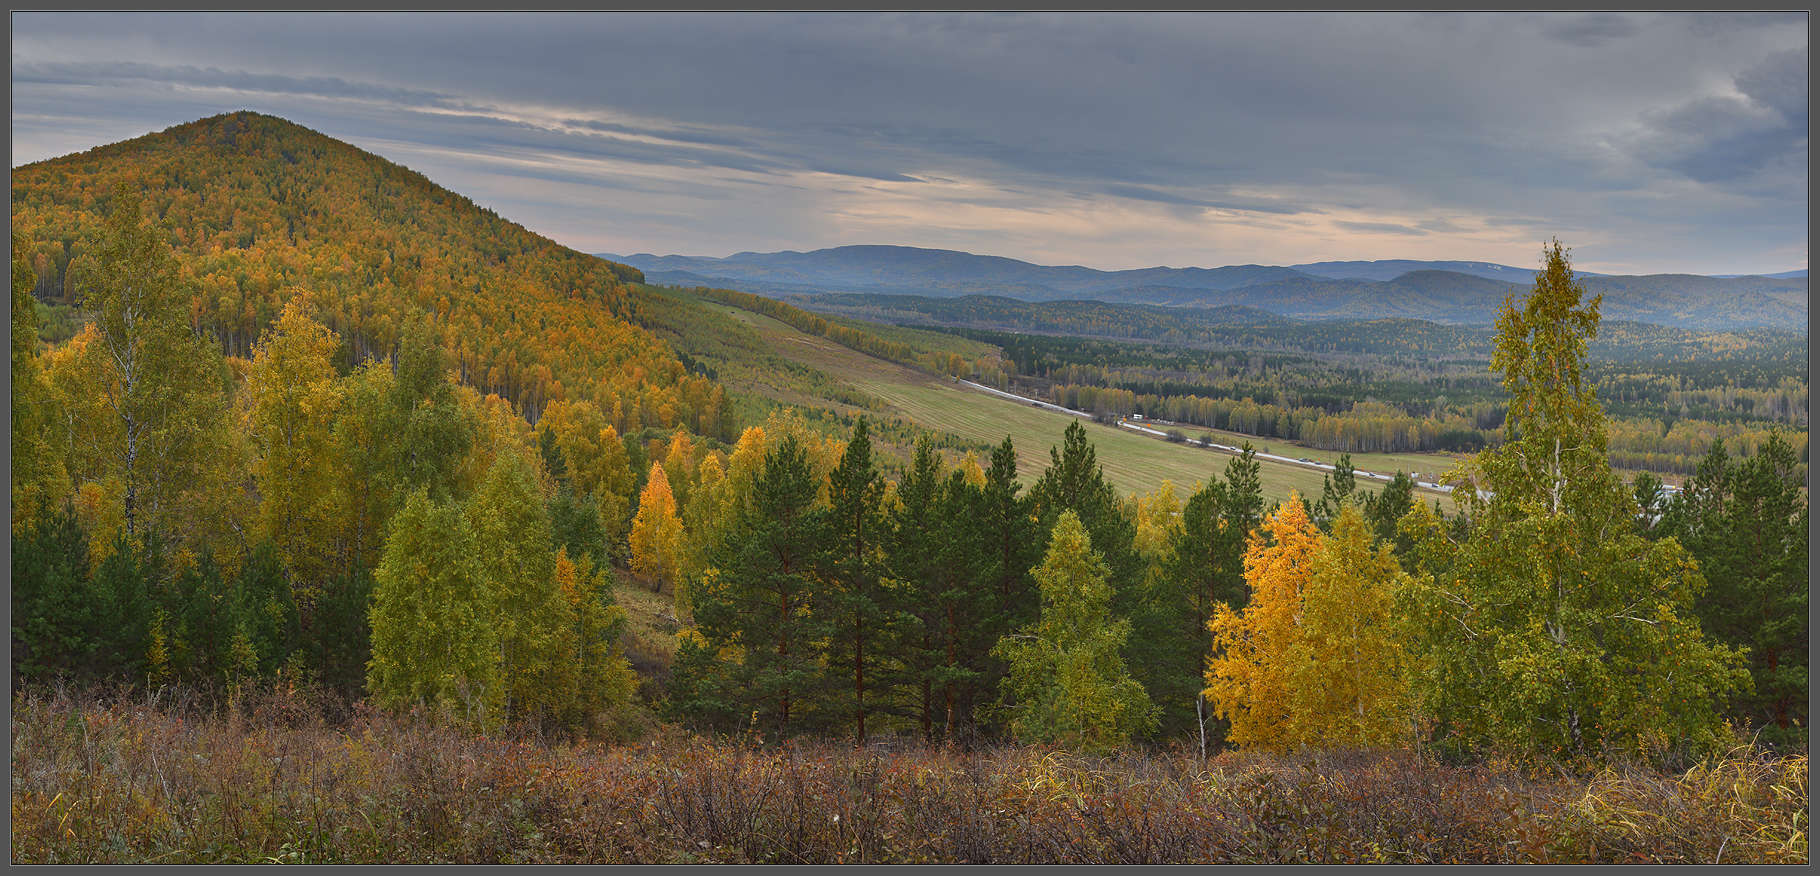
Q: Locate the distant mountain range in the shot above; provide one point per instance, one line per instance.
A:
(1454, 292)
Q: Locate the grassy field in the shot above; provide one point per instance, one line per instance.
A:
(160, 778)
(1134, 463)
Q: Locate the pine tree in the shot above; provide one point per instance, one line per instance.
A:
(1202, 569)
(1386, 507)
(1555, 629)
(993, 533)
(755, 654)
(262, 607)
(1067, 681)
(1336, 489)
(1745, 520)
(1075, 482)
(912, 556)
(54, 621)
(428, 433)
(854, 606)
(599, 681)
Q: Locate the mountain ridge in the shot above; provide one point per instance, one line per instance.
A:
(1443, 291)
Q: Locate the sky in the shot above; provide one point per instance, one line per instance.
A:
(1647, 143)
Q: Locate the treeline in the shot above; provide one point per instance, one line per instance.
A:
(1240, 327)
(1369, 427)
(1363, 386)
(1665, 422)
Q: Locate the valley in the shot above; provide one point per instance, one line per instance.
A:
(1134, 462)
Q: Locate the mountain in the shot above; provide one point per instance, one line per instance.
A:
(1390, 269)
(1785, 275)
(913, 270)
(260, 210)
(1456, 292)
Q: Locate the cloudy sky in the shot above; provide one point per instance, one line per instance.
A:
(1648, 143)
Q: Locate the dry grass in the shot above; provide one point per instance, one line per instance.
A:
(140, 778)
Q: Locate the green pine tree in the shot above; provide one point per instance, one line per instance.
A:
(1746, 522)
(755, 657)
(855, 607)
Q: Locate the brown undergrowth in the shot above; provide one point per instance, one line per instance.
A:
(275, 776)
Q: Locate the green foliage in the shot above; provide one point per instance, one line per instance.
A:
(1746, 521)
(522, 598)
(753, 607)
(159, 383)
(855, 606)
(1067, 681)
(1554, 629)
(436, 639)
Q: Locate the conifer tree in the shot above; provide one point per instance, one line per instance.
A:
(912, 556)
(1203, 568)
(1386, 507)
(1067, 681)
(755, 654)
(854, 605)
(1336, 489)
(595, 678)
(1075, 482)
(428, 432)
(1745, 520)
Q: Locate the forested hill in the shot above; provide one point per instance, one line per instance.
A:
(1459, 293)
(261, 210)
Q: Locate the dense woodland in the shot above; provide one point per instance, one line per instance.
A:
(382, 527)
(1388, 385)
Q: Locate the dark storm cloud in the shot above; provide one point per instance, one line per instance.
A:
(1119, 140)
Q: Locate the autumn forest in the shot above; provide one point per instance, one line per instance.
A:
(354, 522)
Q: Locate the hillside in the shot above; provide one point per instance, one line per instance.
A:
(1460, 293)
(260, 210)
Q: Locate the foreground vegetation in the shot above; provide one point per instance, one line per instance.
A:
(267, 778)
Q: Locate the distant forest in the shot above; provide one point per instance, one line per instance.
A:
(1368, 386)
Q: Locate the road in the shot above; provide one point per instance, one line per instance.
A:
(1225, 448)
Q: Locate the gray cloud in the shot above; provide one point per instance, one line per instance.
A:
(1381, 228)
(1117, 139)
(1590, 30)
